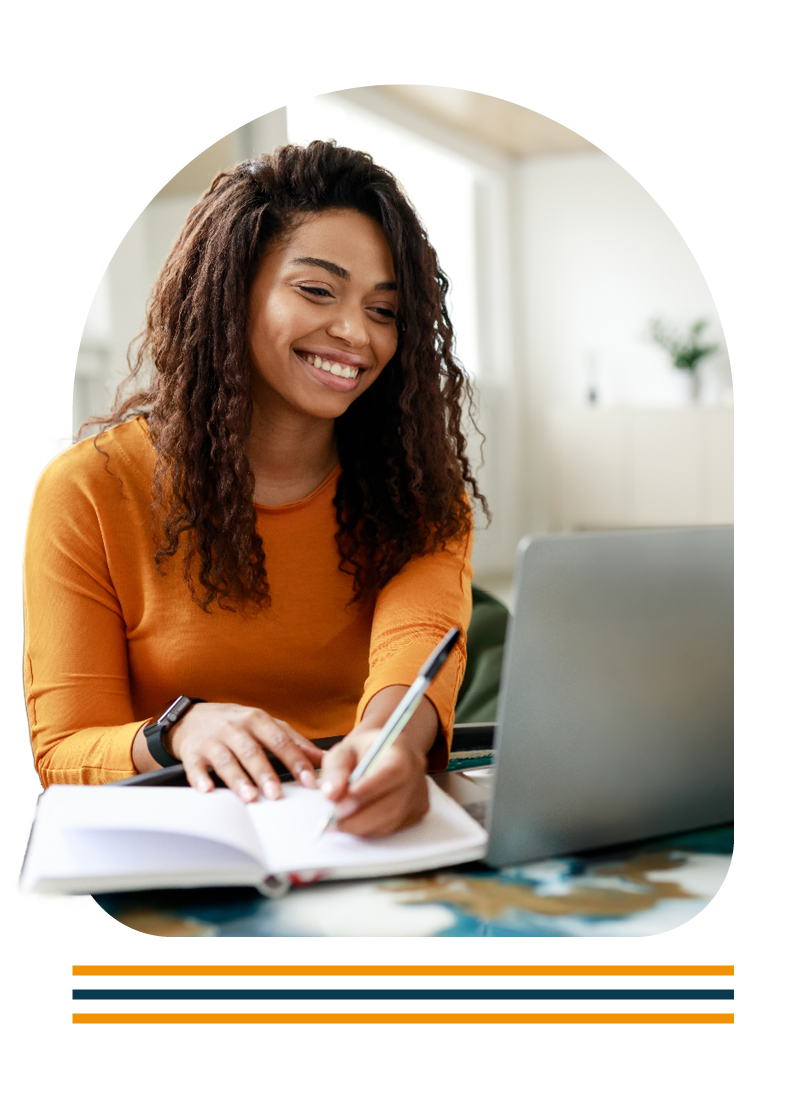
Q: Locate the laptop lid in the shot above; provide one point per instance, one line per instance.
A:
(615, 719)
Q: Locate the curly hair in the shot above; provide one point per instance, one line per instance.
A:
(405, 484)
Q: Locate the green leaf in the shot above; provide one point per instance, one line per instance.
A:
(686, 352)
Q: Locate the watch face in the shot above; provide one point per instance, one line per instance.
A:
(175, 711)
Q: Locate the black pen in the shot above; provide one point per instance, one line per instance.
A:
(400, 716)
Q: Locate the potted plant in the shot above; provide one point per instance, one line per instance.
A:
(687, 351)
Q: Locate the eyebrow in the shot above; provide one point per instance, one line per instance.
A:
(342, 273)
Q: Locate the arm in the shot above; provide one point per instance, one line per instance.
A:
(431, 594)
(412, 614)
(77, 681)
(75, 661)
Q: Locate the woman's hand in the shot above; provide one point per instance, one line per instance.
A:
(232, 740)
(395, 794)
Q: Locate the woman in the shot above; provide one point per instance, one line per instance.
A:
(279, 524)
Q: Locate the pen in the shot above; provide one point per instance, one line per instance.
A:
(399, 717)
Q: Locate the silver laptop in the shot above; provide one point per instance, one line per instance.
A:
(615, 718)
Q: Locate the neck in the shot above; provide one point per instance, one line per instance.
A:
(290, 454)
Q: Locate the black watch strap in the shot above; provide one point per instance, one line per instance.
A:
(154, 732)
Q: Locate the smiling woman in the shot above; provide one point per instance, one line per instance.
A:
(279, 522)
(322, 326)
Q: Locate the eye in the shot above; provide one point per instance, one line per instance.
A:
(313, 291)
(384, 312)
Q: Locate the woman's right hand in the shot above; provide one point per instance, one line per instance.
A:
(232, 740)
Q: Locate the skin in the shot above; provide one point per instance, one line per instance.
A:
(326, 290)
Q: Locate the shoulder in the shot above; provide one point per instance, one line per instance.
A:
(103, 462)
(97, 472)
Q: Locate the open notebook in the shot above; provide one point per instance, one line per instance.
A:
(90, 839)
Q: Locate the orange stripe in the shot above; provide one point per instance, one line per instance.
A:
(412, 1018)
(402, 970)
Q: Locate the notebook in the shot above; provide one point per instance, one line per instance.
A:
(92, 839)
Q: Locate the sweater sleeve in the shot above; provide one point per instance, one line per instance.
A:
(75, 659)
(413, 612)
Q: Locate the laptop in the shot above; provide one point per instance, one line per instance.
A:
(615, 717)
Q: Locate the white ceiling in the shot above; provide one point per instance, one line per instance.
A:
(503, 125)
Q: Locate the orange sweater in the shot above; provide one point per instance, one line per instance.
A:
(109, 642)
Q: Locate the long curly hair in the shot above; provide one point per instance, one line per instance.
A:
(406, 483)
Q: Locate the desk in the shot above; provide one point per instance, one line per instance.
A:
(638, 889)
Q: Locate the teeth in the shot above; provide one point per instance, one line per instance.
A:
(349, 372)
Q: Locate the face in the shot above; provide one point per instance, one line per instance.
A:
(322, 315)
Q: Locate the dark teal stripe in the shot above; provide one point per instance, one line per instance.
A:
(402, 993)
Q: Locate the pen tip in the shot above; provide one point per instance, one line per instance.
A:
(323, 827)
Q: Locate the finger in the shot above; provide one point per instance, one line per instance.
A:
(337, 766)
(313, 753)
(250, 755)
(197, 775)
(280, 738)
(395, 769)
(397, 810)
(387, 799)
(227, 767)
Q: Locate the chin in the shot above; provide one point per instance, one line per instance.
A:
(328, 410)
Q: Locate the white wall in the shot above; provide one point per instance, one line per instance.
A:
(117, 313)
(135, 266)
(595, 259)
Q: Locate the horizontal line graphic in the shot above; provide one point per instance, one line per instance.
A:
(402, 970)
(565, 1017)
(403, 993)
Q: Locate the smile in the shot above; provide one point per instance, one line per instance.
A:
(350, 373)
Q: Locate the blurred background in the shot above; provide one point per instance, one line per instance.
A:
(559, 261)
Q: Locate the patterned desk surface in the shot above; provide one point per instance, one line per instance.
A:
(634, 890)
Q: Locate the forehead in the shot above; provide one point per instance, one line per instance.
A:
(346, 238)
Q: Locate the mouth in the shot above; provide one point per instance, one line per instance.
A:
(336, 369)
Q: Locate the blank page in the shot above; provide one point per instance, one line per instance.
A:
(218, 815)
(285, 828)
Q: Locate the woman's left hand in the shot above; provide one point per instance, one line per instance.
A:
(395, 794)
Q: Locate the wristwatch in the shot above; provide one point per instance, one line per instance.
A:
(154, 732)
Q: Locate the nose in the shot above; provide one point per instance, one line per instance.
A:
(350, 325)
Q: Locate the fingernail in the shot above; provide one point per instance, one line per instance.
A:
(308, 779)
(327, 788)
(246, 791)
(204, 785)
(346, 808)
(272, 789)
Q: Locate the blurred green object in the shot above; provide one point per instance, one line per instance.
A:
(477, 697)
(687, 351)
